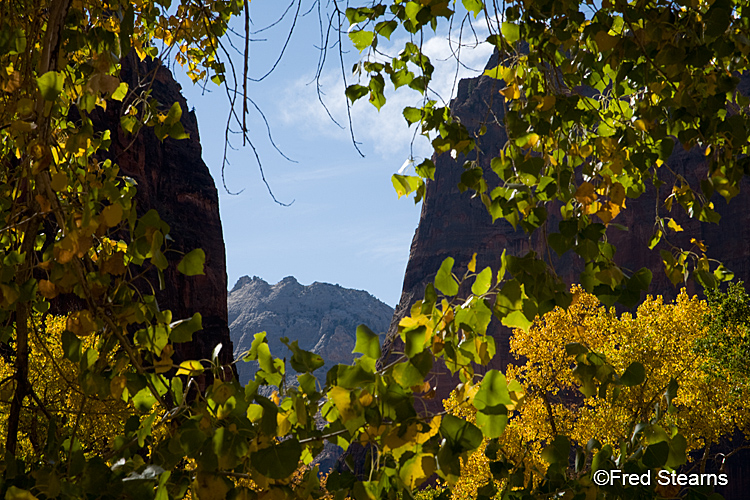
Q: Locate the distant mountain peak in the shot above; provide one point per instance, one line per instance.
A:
(322, 317)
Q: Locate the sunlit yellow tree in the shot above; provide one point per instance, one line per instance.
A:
(57, 398)
(665, 382)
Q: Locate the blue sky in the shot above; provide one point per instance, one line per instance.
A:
(346, 224)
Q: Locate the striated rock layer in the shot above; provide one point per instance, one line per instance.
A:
(174, 180)
(322, 317)
(453, 224)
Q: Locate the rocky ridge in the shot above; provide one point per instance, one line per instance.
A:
(322, 317)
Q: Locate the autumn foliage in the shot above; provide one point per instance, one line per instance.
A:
(680, 389)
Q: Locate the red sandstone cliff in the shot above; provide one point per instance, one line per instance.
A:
(173, 179)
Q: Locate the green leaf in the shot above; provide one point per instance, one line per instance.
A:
(177, 132)
(412, 115)
(174, 114)
(351, 377)
(407, 375)
(183, 330)
(557, 451)
(126, 30)
(493, 391)
(50, 85)
(144, 400)
(491, 401)
(121, 92)
(71, 345)
(717, 20)
(493, 424)
(303, 361)
(517, 319)
(368, 342)
(654, 240)
(385, 28)
(361, 39)
(656, 455)
(406, 184)
(677, 451)
(444, 280)
(258, 339)
(483, 282)
(192, 263)
(511, 32)
(574, 349)
(474, 6)
(14, 493)
(415, 341)
(412, 10)
(278, 461)
(356, 91)
(635, 374)
(377, 85)
(462, 435)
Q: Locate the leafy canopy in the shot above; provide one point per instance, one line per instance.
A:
(70, 227)
(597, 96)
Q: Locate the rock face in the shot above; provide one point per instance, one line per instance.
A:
(173, 179)
(454, 225)
(322, 317)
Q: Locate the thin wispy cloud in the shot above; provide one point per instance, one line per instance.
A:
(386, 133)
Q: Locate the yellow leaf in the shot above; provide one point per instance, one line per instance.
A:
(641, 125)
(47, 289)
(207, 486)
(585, 194)
(117, 386)
(100, 83)
(14, 493)
(606, 147)
(13, 82)
(699, 244)
(254, 412)
(605, 41)
(112, 215)
(586, 150)
(548, 102)
(473, 263)
(365, 398)
(343, 402)
(531, 140)
(608, 211)
(81, 323)
(417, 469)
(674, 226)
(163, 365)
(283, 425)
(191, 367)
(617, 194)
(59, 181)
(423, 436)
(511, 92)
(114, 264)
(44, 204)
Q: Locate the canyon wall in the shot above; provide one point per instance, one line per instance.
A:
(452, 224)
(173, 179)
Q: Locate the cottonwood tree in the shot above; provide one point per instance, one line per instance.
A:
(70, 227)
